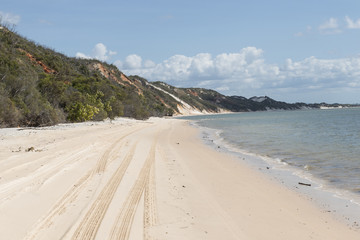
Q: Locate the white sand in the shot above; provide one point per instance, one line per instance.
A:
(143, 180)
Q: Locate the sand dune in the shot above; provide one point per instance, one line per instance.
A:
(143, 180)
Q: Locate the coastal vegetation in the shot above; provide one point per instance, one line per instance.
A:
(39, 87)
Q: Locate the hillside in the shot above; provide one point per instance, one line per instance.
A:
(39, 86)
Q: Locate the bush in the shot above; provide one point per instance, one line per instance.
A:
(79, 112)
(9, 114)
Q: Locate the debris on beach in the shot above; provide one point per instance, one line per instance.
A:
(30, 149)
(305, 184)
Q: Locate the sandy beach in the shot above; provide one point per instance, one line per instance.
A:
(153, 179)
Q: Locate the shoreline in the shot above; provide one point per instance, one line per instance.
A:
(344, 204)
(153, 179)
(262, 189)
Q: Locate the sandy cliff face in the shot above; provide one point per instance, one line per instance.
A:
(116, 76)
(183, 107)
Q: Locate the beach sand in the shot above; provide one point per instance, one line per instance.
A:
(151, 179)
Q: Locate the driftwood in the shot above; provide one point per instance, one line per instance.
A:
(305, 184)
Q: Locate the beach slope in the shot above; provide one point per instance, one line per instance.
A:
(151, 179)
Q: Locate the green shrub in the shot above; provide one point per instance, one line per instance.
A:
(79, 112)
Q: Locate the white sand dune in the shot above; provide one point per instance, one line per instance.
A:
(150, 179)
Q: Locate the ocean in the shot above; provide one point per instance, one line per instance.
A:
(321, 145)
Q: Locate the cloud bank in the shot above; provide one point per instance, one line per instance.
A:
(248, 70)
(247, 73)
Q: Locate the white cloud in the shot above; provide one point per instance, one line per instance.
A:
(247, 66)
(133, 62)
(99, 52)
(111, 53)
(331, 26)
(352, 24)
(82, 55)
(323, 72)
(247, 73)
(176, 66)
(222, 88)
(149, 64)
(202, 64)
(9, 18)
(332, 23)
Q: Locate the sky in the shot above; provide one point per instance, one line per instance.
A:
(290, 50)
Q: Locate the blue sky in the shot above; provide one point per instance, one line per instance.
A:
(289, 50)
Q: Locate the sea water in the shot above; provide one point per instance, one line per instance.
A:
(319, 145)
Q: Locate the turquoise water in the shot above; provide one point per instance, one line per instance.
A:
(321, 143)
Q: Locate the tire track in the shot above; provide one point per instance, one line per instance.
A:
(122, 225)
(150, 207)
(72, 194)
(92, 220)
(68, 198)
(35, 182)
(60, 207)
(40, 175)
(102, 163)
(101, 166)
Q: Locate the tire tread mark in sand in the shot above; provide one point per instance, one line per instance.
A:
(60, 206)
(150, 209)
(72, 193)
(39, 177)
(102, 163)
(90, 224)
(122, 225)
